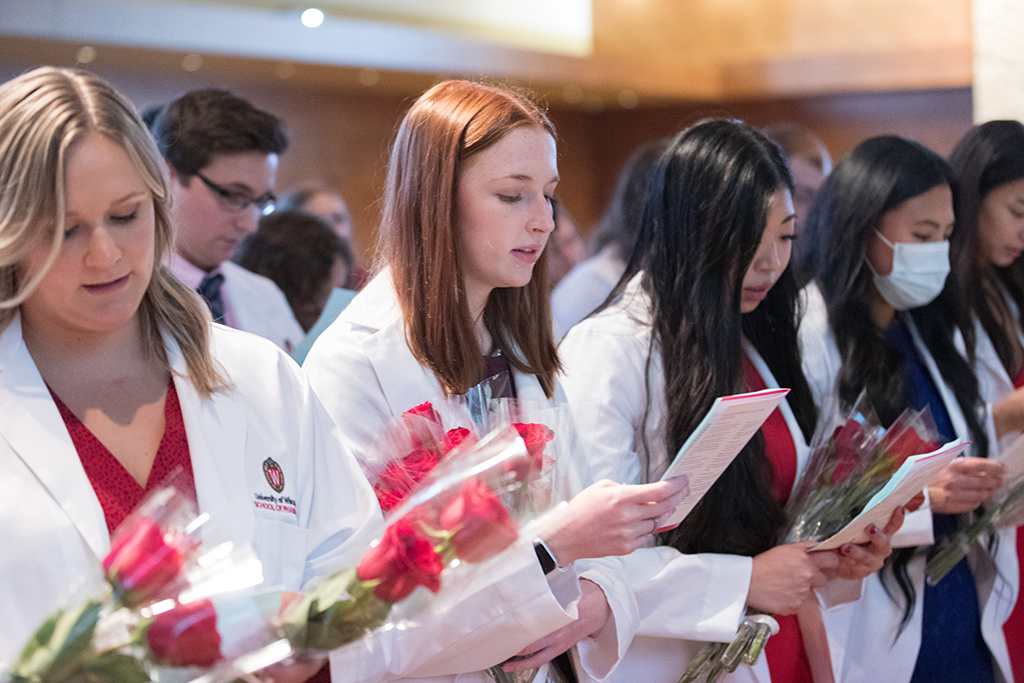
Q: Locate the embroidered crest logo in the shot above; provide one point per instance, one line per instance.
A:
(274, 474)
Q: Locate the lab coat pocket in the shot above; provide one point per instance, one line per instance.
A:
(282, 550)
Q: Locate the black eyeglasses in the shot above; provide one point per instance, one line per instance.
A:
(231, 200)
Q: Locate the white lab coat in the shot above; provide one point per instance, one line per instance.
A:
(584, 288)
(53, 527)
(862, 635)
(259, 306)
(366, 376)
(682, 599)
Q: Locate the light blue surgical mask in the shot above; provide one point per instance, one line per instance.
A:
(919, 271)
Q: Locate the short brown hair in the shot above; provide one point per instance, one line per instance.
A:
(200, 124)
(420, 242)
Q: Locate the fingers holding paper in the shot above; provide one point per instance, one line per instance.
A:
(965, 484)
(611, 519)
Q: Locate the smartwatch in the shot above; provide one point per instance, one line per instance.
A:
(547, 560)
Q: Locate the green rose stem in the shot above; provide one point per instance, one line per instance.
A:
(955, 548)
(339, 611)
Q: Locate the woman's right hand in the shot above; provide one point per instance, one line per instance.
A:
(965, 484)
(783, 578)
(611, 519)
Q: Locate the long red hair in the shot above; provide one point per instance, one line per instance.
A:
(420, 242)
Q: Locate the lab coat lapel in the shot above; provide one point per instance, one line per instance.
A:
(216, 433)
(32, 426)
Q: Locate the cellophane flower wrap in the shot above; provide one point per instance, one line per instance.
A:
(454, 499)
(164, 602)
(852, 457)
(1005, 509)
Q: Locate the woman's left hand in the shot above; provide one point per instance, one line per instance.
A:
(594, 612)
(858, 560)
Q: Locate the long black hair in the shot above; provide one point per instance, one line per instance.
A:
(988, 156)
(705, 212)
(877, 176)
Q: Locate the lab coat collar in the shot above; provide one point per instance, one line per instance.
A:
(400, 374)
(35, 431)
(216, 433)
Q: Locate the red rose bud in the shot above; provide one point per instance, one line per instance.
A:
(907, 444)
(423, 410)
(480, 524)
(185, 635)
(141, 564)
(846, 463)
(388, 499)
(455, 438)
(536, 437)
(401, 562)
(848, 436)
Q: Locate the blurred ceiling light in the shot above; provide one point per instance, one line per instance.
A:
(86, 54)
(312, 18)
(192, 62)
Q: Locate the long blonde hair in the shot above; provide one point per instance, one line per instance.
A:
(447, 125)
(43, 114)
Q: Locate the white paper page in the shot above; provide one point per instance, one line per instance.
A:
(910, 479)
(720, 436)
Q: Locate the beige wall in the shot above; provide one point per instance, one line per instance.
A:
(342, 136)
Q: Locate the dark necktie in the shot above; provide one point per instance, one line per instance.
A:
(209, 289)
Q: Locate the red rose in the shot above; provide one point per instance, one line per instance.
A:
(423, 410)
(141, 564)
(455, 438)
(846, 463)
(400, 562)
(536, 437)
(388, 499)
(185, 635)
(480, 524)
(848, 436)
(905, 445)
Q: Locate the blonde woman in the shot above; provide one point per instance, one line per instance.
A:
(112, 374)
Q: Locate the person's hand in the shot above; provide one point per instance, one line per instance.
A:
(1008, 415)
(593, 615)
(965, 484)
(611, 519)
(915, 503)
(858, 560)
(783, 577)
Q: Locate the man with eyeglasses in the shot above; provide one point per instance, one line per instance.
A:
(222, 155)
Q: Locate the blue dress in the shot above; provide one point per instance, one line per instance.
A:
(952, 647)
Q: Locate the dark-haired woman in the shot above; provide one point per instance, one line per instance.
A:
(878, 254)
(462, 297)
(707, 308)
(987, 282)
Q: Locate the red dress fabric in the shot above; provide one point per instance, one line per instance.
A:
(116, 489)
(1013, 629)
(785, 652)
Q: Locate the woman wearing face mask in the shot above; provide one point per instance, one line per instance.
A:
(706, 308)
(462, 296)
(112, 375)
(878, 250)
(987, 285)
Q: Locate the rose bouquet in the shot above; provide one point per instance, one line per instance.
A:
(457, 492)
(852, 458)
(163, 603)
(453, 502)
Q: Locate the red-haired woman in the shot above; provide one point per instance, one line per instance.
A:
(462, 295)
